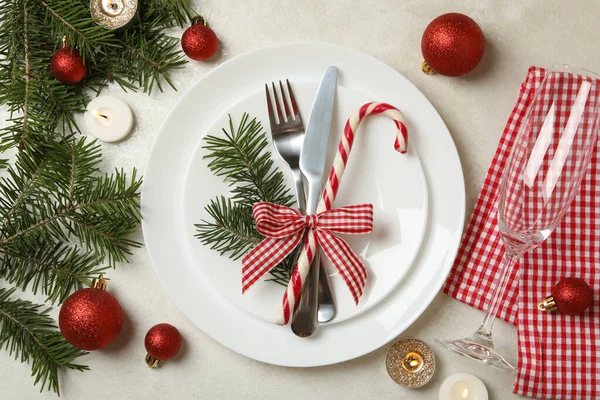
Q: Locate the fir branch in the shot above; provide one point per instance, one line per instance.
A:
(69, 200)
(28, 332)
(71, 20)
(232, 231)
(148, 55)
(241, 158)
(54, 269)
(166, 13)
(27, 71)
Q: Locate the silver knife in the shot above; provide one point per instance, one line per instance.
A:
(312, 165)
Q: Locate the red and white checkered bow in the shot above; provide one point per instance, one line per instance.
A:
(284, 229)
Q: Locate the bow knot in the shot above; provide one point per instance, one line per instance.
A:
(284, 228)
(311, 220)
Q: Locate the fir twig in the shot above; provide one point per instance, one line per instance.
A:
(27, 71)
(72, 20)
(61, 220)
(241, 158)
(31, 335)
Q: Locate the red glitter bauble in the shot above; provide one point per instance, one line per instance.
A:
(163, 341)
(572, 296)
(199, 42)
(452, 44)
(90, 319)
(67, 66)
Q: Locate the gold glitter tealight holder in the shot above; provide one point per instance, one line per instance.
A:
(410, 362)
(114, 14)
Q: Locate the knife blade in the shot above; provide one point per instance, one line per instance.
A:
(316, 139)
(312, 164)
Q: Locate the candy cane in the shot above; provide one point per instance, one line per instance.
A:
(294, 288)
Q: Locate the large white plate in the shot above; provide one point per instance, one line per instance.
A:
(167, 193)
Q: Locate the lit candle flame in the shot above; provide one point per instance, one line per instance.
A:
(465, 393)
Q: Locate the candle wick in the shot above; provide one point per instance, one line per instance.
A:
(102, 115)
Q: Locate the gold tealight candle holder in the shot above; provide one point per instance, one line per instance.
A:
(114, 14)
(410, 362)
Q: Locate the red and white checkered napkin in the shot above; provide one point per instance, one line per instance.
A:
(559, 355)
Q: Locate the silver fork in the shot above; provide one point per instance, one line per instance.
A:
(288, 137)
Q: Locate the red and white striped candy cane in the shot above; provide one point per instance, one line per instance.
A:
(294, 288)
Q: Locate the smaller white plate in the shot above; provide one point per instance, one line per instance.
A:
(376, 173)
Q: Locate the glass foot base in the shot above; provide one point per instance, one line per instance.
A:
(479, 351)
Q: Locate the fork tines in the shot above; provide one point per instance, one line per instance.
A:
(281, 98)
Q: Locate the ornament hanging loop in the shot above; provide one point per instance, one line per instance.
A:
(64, 42)
(548, 305)
(99, 283)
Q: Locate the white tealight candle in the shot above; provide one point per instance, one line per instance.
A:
(108, 118)
(463, 387)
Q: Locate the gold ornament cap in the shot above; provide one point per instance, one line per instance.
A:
(548, 304)
(153, 362)
(199, 20)
(426, 68)
(410, 362)
(99, 283)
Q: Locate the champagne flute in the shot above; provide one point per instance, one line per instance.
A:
(549, 158)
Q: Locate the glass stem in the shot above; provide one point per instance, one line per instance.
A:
(508, 262)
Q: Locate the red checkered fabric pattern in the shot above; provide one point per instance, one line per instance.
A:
(559, 355)
(284, 228)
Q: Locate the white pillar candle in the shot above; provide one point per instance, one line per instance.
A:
(108, 118)
(463, 387)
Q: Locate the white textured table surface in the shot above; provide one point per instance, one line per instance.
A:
(475, 108)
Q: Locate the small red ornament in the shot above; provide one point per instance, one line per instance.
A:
(91, 318)
(162, 342)
(570, 296)
(452, 45)
(67, 65)
(199, 42)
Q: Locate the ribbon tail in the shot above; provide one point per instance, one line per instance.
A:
(345, 261)
(265, 256)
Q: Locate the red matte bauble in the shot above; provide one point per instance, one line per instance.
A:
(163, 341)
(90, 319)
(67, 66)
(572, 296)
(452, 44)
(199, 42)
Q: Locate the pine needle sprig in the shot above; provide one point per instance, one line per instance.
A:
(232, 232)
(71, 20)
(61, 197)
(52, 198)
(167, 13)
(32, 30)
(148, 55)
(60, 222)
(31, 335)
(242, 159)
